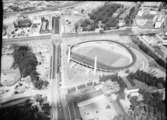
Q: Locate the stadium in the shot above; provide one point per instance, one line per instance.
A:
(106, 55)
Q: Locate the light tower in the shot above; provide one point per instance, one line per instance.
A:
(95, 65)
(95, 68)
(143, 65)
(69, 54)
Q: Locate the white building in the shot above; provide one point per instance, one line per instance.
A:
(151, 4)
(131, 92)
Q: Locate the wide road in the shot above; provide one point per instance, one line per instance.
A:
(122, 31)
(57, 108)
(61, 111)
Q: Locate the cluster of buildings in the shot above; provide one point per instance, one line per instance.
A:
(30, 25)
(158, 18)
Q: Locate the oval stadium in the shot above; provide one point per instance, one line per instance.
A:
(109, 55)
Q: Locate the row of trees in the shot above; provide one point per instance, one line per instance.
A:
(18, 9)
(146, 50)
(25, 111)
(132, 14)
(147, 78)
(27, 62)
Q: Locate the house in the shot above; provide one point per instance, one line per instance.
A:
(159, 21)
(151, 4)
(131, 92)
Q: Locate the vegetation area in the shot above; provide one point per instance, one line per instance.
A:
(43, 105)
(109, 15)
(147, 78)
(132, 14)
(151, 108)
(27, 62)
(18, 9)
(22, 23)
(115, 78)
(163, 5)
(103, 14)
(122, 117)
(26, 111)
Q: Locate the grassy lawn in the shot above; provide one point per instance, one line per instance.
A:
(97, 107)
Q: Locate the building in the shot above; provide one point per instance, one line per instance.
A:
(151, 4)
(131, 92)
(56, 25)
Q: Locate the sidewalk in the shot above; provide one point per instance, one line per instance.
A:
(126, 81)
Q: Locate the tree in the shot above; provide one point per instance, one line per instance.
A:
(134, 102)
(104, 14)
(115, 78)
(24, 59)
(154, 104)
(163, 5)
(27, 62)
(23, 112)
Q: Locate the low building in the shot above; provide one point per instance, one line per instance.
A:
(131, 92)
(121, 23)
(151, 4)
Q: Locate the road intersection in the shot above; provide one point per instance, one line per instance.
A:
(60, 109)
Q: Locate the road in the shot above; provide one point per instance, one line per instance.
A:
(122, 31)
(59, 109)
(55, 80)
(48, 9)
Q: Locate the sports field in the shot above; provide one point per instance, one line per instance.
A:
(110, 55)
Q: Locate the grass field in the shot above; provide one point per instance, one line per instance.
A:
(9, 76)
(98, 107)
(108, 56)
